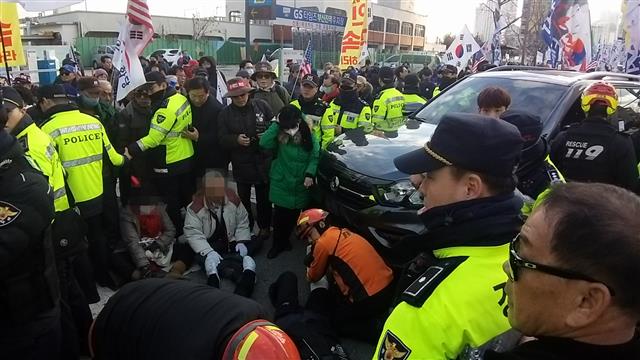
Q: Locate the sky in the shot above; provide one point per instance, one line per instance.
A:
(443, 16)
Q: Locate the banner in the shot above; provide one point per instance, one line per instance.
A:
(461, 49)
(10, 32)
(631, 26)
(567, 32)
(355, 35)
(135, 34)
(43, 5)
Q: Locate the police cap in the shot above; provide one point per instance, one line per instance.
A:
(386, 74)
(52, 92)
(470, 142)
(11, 98)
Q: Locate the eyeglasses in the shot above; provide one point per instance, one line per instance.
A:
(516, 262)
(263, 76)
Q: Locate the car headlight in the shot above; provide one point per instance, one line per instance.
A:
(400, 192)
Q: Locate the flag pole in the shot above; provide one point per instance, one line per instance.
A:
(6, 63)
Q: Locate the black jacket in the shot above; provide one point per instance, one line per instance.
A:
(426, 89)
(550, 348)
(134, 123)
(594, 151)
(170, 320)
(209, 154)
(28, 280)
(251, 164)
(535, 174)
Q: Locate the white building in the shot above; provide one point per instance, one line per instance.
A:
(483, 27)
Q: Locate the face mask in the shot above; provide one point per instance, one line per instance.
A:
(89, 101)
(327, 89)
(250, 71)
(293, 131)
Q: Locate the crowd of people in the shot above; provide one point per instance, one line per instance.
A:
(136, 195)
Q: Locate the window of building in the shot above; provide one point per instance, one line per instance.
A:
(407, 28)
(420, 30)
(377, 24)
(334, 11)
(393, 26)
(235, 16)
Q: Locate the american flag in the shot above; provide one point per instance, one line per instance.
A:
(308, 60)
(477, 59)
(593, 65)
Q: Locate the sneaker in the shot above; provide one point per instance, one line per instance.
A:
(248, 264)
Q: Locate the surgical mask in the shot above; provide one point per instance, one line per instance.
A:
(326, 89)
(250, 71)
(89, 101)
(293, 131)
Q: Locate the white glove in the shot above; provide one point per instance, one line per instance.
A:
(211, 262)
(242, 249)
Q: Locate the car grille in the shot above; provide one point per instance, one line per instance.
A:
(354, 191)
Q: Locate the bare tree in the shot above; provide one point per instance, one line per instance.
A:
(202, 25)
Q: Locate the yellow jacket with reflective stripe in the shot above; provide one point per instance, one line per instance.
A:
(349, 120)
(529, 206)
(80, 140)
(387, 110)
(412, 102)
(464, 312)
(41, 149)
(167, 125)
(322, 128)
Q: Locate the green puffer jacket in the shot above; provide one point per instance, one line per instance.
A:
(290, 166)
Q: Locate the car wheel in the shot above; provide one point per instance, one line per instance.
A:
(95, 64)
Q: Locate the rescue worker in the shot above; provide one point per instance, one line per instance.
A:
(347, 112)
(360, 279)
(68, 232)
(80, 140)
(593, 150)
(241, 125)
(453, 304)
(217, 229)
(536, 173)
(29, 294)
(170, 153)
(199, 323)
(388, 105)
(449, 76)
(413, 101)
(314, 109)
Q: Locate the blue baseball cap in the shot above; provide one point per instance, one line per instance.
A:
(468, 141)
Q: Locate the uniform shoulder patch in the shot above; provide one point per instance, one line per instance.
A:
(160, 118)
(24, 143)
(392, 348)
(420, 290)
(164, 103)
(367, 116)
(376, 108)
(8, 213)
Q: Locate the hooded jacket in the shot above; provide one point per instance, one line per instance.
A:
(209, 153)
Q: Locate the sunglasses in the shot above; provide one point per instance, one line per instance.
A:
(263, 76)
(516, 262)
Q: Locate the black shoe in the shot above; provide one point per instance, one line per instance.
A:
(273, 253)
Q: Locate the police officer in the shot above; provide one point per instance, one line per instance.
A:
(80, 140)
(413, 101)
(67, 230)
(171, 153)
(594, 150)
(449, 76)
(29, 294)
(200, 323)
(347, 112)
(388, 105)
(314, 109)
(536, 172)
(454, 303)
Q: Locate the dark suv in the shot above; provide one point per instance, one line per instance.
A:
(359, 183)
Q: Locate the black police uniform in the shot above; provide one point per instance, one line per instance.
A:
(594, 151)
(29, 294)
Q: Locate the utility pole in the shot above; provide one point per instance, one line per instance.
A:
(247, 28)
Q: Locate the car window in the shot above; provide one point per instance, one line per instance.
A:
(393, 59)
(100, 49)
(628, 104)
(173, 52)
(531, 96)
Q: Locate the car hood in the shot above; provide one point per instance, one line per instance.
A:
(374, 157)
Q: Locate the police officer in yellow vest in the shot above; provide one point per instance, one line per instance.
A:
(347, 112)
(388, 105)
(67, 234)
(411, 91)
(453, 305)
(170, 152)
(314, 109)
(80, 140)
(449, 76)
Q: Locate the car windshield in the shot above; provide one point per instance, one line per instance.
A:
(531, 96)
